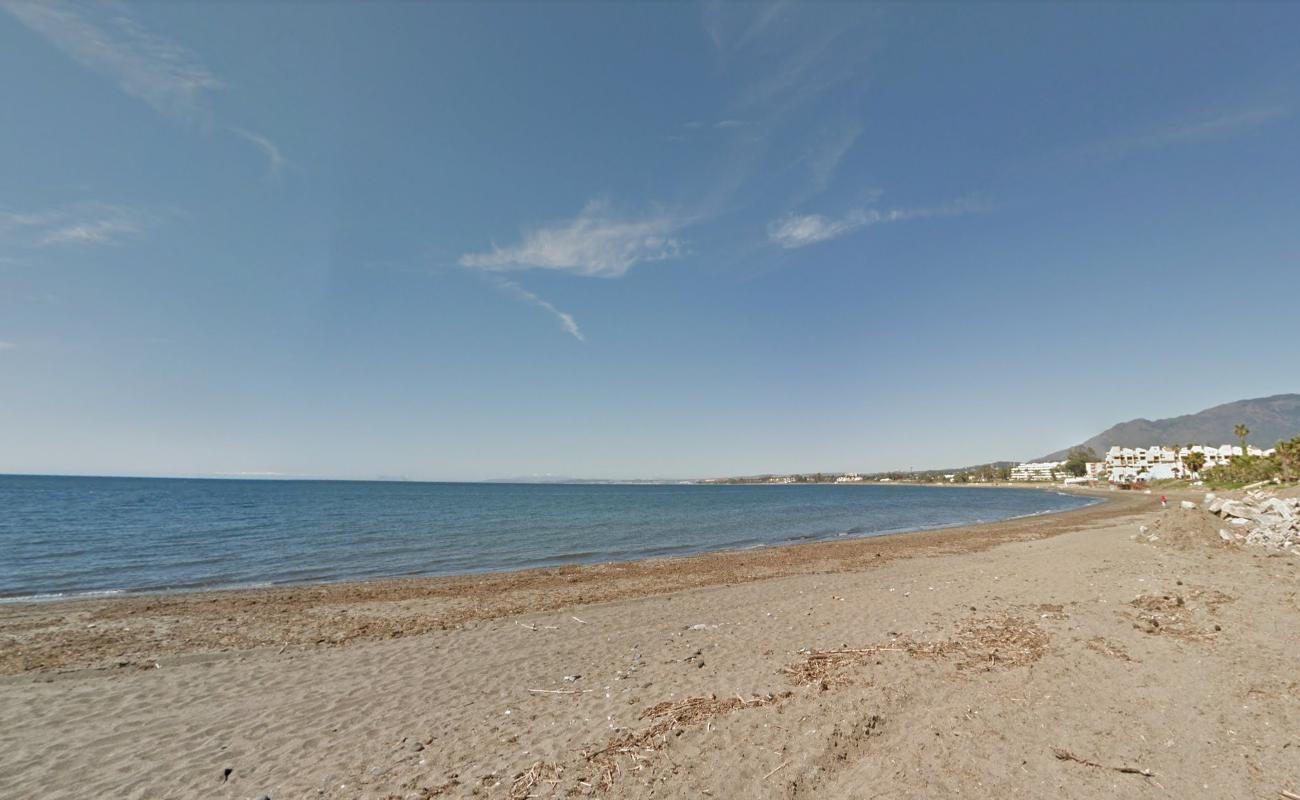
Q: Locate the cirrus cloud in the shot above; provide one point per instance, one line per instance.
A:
(800, 230)
(104, 38)
(594, 244)
(566, 320)
(81, 224)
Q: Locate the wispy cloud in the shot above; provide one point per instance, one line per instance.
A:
(104, 38)
(749, 21)
(1209, 127)
(795, 231)
(594, 244)
(566, 320)
(83, 224)
(812, 64)
(826, 154)
(7, 346)
(275, 160)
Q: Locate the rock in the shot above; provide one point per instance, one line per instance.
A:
(1236, 508)
(1224, 535)
(415, 745)
(1280, 508)
(1188, 505)
(1210, 497)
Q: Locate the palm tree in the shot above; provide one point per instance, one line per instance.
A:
(1242, 432)
(1194, 462)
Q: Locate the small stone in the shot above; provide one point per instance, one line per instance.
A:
(415, 745)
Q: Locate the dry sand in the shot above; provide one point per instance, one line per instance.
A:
(1046, 657)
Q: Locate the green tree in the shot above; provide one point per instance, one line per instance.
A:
(1242, 432)
(1194, 462)
(1076, 462)
(1288, 457)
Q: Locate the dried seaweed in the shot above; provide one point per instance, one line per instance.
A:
(1001, 641)
(538, 772)
(1099, 644)
(668, 717)
(1172, 615)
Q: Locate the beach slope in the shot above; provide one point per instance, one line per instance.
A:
(1049, 657)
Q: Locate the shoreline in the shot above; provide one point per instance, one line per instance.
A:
(132, 629)
(1028, 658)
(45, 598)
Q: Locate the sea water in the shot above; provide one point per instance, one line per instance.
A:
(70, 536)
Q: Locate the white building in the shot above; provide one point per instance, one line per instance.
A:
(1037, 471)
(1135, 464)
(850, 477)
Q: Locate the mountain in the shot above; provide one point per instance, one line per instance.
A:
(1270, 419)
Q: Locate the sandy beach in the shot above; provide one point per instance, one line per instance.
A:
(1052, 656)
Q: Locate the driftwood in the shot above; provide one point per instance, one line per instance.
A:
(784, 764)
(560, 691)
(1289, 795)
(1065, 755)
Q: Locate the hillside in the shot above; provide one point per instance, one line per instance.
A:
(1270, 419)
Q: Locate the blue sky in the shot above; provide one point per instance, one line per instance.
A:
(469, 241)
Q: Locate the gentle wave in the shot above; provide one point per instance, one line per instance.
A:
(65, 538)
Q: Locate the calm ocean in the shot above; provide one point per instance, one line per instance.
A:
(70, 536)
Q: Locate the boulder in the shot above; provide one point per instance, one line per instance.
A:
(1280, 507)
(1236, 508)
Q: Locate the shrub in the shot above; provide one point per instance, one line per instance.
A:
(1241, 471)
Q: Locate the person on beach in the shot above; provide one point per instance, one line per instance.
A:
(1164, 501)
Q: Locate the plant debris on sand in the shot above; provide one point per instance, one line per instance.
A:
(1099, 644)
(1178, 615)
(669, 717)
(538, 772)
(1000, 641)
